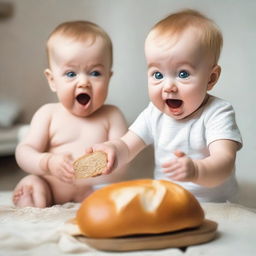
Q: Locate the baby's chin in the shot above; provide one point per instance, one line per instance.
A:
(88, 112)
(181, 114)
(178, 109)
(176, 116)
(80, 114)
(77, 111)
(174, 108)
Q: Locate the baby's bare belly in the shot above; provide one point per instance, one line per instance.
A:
(64, 192)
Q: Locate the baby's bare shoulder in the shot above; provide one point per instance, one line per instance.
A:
(45, 112)
(110, 110)
(111, 116)
(48, 108)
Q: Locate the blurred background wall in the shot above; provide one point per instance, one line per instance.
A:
(22, 56)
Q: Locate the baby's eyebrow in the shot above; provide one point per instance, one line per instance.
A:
(68, 65)
(93, 66)
(153, 64)
(182, 63)
(97, 65)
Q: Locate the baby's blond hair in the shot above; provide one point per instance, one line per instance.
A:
(79, 31)
(175, 24)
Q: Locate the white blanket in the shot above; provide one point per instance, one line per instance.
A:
(32, 231)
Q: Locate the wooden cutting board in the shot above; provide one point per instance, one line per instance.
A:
(205, 233)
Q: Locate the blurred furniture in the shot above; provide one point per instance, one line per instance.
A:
(6, 10)
(9, 138)
(10, 129)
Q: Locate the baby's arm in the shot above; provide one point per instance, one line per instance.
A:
(214, 169)
(120, 151)
(117, 127)
(208, 172)
(31, 153)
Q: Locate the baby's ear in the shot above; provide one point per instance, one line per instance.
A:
(214, 77)
(50, 79)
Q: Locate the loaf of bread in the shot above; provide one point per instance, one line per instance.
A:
(138, 207)
(90, 165)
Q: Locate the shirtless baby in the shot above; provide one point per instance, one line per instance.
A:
(80, 63)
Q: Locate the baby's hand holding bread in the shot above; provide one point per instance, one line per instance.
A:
(90, 165)
(58, 165)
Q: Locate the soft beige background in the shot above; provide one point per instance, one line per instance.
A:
(22, 56)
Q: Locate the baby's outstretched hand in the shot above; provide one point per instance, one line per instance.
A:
(182, 168)
(60, 165)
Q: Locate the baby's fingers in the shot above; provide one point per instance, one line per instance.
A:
(178, 176)
(89, 150)
(68, 177)
(179, 153)
(110, 163)
(169, 164)
(166, 165)
(174, 167)
(67, 172)
(67, 180)
(68, 167)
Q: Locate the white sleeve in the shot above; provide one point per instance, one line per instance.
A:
(142, 126)
(221, 124)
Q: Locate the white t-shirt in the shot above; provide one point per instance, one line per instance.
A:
(192, 135)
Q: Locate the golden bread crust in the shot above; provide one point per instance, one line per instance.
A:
(138, 207)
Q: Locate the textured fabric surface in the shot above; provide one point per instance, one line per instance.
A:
(32, 231)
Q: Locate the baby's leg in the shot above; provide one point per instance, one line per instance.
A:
(32, 191)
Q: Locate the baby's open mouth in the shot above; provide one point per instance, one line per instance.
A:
(83, 98)
(174, 103)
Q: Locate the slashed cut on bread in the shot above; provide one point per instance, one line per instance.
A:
(138, 207)
(90, 165)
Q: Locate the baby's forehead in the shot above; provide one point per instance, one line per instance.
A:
(64, 50)
(171, 34)
(60, 43)
(207, 39)
(177, 48)
(170, 38)
(189, 38)
(60, 39)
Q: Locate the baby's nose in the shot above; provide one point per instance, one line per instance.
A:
(170, 86)
(83, 81)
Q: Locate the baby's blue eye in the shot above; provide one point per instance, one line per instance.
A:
(183, 74)
(70, 74)
(95, 73)
(158, 75)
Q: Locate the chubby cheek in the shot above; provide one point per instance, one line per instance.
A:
(66, 98)
(155, 95)
(193, 101)
(100, 95)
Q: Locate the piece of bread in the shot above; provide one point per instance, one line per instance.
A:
(90, 165)
(138, 207)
